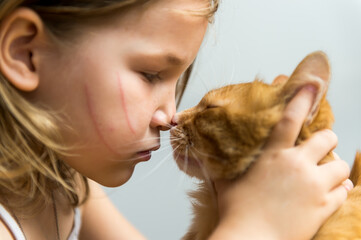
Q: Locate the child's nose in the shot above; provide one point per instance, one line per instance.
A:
(161, 120)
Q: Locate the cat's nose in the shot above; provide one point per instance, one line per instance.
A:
(174, 121)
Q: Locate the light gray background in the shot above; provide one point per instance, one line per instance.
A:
(251, 38)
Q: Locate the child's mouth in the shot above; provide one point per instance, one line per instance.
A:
(147, 154)
(144, 155)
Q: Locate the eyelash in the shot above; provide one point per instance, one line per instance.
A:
(151, 77)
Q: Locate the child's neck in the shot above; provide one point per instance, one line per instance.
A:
(55, 219)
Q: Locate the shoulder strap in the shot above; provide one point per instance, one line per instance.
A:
(11, 224)
(74, 235)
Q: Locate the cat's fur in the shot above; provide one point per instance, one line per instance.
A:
(224, 134)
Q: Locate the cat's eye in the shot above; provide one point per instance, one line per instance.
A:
(209, 106)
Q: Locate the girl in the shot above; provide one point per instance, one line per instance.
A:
(87, 85)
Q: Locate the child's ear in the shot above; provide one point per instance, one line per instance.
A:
(20, 37)
(313, 70)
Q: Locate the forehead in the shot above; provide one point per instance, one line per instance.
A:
(184, 5)
(199, 8)
(162, 26)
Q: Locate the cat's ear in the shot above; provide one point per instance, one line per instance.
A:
(280, 79)
(313, 70)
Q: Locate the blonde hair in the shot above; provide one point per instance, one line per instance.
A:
(30, 149)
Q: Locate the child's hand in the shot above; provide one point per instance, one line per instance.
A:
(285, 194)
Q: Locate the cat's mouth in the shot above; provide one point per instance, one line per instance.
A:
(183, 155)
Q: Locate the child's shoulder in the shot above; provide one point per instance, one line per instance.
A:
(4, 231)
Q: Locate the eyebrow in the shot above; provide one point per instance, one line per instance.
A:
(174, 60)
(164, 57)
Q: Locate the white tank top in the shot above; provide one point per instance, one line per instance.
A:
(19, 235)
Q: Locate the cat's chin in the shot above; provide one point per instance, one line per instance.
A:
(189, 165)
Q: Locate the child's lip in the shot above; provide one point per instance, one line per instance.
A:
(148, 151)
(147, 154)
(144, 155)
(155, 148)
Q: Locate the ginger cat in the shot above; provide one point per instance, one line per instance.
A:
(221, 137)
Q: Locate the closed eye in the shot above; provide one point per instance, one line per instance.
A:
(151, 77)
(211, 106)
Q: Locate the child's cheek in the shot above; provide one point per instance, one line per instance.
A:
(107, 114)
(134, 102)
(124, 104)
(117, 114)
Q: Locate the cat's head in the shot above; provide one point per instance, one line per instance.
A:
(222, 135)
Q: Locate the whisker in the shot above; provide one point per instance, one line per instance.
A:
(178, 134)
(164, 146)
(185, 166)
(166, 124)
(156, 167)
(129, 159)
(204, 172)
(174, 137)
(133, 159)
(150, 139)
(177, 130)
(207, 179)
(207, 155)
(186, 157)
(145, 140)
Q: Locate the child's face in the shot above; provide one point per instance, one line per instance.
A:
(117, 86)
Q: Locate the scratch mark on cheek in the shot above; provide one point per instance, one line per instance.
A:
(124, 105)
(93, 117)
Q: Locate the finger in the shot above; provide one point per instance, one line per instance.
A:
(335, 199)
(286, 131)
(320, 143)
(348, 184)
(335, 173)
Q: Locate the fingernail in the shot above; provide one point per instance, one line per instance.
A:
(313, 89)
(348, 184)
(335, 155)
